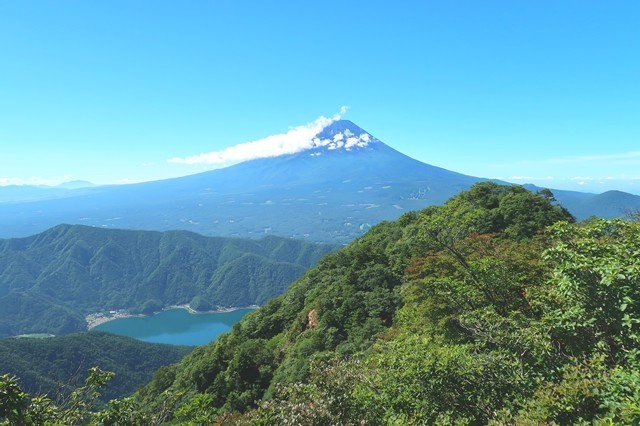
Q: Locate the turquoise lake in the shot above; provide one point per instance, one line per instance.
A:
(175, 326)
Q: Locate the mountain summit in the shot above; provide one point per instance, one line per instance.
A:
(342, 134)
(344, 182)
(352, 165)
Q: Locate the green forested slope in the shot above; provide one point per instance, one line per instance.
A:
(494, 308)
(49, 282)
(353, 298)
(54, 365)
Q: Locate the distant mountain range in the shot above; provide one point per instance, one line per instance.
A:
(333, 192)
(50, 281)
(26, 193)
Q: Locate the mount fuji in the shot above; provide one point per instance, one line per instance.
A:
(343, 183)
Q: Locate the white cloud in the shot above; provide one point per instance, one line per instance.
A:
(296, 140)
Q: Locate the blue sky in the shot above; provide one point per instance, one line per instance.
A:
(546, 92)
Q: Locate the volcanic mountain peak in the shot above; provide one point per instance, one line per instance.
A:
(331, 183)
(341, 134)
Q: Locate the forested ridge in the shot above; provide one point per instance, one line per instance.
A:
(57, 365)
(494, 308)
(49, 282)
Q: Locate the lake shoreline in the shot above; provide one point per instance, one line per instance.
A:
(176, 326)
(96, 319)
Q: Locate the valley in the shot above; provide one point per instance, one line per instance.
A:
(50, 282)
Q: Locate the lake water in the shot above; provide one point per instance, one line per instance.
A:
(175, 326)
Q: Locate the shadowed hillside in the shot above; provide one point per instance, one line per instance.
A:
(57, 365)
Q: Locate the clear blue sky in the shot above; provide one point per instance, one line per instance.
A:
(528, 91)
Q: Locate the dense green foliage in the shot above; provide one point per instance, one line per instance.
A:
(491, 309)
(56, 365)
(352, 298)
(49, 282)
(19, 408)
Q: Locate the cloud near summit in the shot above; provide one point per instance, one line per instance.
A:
(297, 139)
